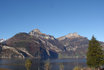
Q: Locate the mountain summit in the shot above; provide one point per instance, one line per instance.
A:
(70, 36)
(38, 34)
(75, 34)
(35, 31)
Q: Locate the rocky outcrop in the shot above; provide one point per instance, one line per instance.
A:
(10, 52)
(70, 36)
(38, 34)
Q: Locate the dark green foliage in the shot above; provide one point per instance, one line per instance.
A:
(95, 54)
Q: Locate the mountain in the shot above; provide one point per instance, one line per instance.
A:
(33, 44)
(48, 41)
(36, 44)
(75, 44)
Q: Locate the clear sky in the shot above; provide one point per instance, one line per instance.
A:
(54, 17)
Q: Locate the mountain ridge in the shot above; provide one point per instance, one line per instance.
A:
(40, 45)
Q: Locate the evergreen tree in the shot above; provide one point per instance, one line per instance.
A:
(95, 55)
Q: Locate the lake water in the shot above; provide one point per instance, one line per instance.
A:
(52, 64)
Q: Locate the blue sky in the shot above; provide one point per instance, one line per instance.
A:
(54, 17)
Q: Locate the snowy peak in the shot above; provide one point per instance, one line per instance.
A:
(2, 40)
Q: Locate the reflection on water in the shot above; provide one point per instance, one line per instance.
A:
(47, 66)
(61, 66)
(53, 64)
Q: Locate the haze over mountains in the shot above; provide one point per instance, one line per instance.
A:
(39, 45)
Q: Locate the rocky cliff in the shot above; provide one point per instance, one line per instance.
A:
(28, 46)
(75, 44)
(48, 41)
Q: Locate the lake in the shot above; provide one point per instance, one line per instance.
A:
(53, 64)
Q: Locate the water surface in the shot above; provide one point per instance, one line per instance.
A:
(52, 64)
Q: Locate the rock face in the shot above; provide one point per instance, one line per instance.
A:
(30, 46)
(48, 41)
(10, 52)
(70, 36)
(75, 44)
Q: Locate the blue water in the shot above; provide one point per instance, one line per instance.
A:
(54, 64)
